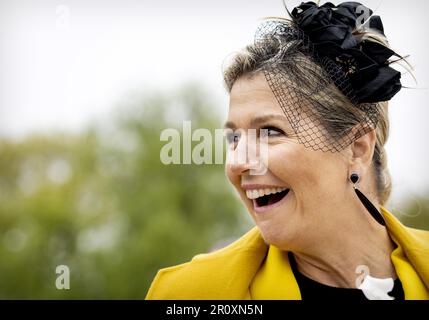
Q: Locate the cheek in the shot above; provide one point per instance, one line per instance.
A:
(304, 169)
(290, 162)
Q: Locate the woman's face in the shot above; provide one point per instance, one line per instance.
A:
(309, 181)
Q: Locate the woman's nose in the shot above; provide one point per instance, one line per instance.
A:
(244, 157)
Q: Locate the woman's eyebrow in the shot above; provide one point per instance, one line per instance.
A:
(256, 121)
(229, 125)
(266, 118)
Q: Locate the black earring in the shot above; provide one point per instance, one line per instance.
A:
(354, 178)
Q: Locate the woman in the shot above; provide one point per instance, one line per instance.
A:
(315, 89)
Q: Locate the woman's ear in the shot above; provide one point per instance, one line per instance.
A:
(362, 151)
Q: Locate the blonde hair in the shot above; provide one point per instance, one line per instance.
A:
(338, 117)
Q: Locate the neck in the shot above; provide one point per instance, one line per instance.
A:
(338, 256)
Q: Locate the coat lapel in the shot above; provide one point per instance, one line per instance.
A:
(414, 243)
(224, 274)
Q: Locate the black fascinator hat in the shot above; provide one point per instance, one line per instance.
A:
(334, 33)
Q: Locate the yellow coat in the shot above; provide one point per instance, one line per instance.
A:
(240, 268)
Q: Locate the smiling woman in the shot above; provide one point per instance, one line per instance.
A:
(317, 86)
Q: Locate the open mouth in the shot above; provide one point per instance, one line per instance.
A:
(270, 199)
(267, 198)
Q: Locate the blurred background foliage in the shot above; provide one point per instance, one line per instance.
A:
(102, 203)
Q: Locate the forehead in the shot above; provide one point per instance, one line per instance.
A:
(252, 94)
(252, 90)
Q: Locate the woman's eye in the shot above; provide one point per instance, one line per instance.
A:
(232, 137)
(271, 132)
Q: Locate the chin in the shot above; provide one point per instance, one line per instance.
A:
(276, 235)
(275, 217)
(278, 230)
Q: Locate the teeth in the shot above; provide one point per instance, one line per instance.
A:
(254, 194)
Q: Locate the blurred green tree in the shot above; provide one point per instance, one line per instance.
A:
(102, 203)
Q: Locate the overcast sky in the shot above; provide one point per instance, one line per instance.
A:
(64, 63)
